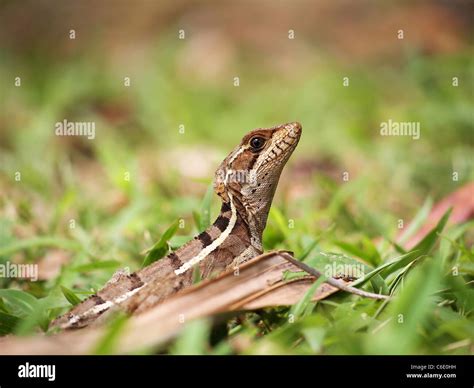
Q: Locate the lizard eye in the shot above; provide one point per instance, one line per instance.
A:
(257, 143)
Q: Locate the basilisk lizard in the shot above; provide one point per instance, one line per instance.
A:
(245, 181)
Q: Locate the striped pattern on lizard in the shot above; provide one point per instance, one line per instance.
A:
(246, 182)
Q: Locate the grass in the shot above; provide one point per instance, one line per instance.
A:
(97, 206)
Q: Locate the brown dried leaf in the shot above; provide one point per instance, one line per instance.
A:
(260, 283)
(462, 202)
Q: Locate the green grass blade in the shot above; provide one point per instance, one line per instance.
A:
(298, 309)
(193, 339)
(408, 312)
(108, 343)
(205, 212)
(368, 252)
(162, 247)
(426, 245)
(18, 302)
(417, 221)
(70, 296)
(97, 265)
(8, 322)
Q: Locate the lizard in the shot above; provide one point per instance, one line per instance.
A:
(245, 181)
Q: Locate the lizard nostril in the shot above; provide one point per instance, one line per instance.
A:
(296, 126)
(294, 129)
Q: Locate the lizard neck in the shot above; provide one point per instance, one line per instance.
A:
(253, 214)
(227, 240)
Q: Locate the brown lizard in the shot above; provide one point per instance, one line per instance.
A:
(245, 181)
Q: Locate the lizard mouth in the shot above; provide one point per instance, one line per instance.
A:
(293, 130)
(290, 136)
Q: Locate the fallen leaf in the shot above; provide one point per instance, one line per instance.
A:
(261, 282)
(462, 202)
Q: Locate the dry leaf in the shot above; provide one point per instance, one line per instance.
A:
(462, 202)
(260, 283)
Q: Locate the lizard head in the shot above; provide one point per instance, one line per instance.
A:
(250, 173)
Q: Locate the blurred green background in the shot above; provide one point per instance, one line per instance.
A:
(84, 208)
